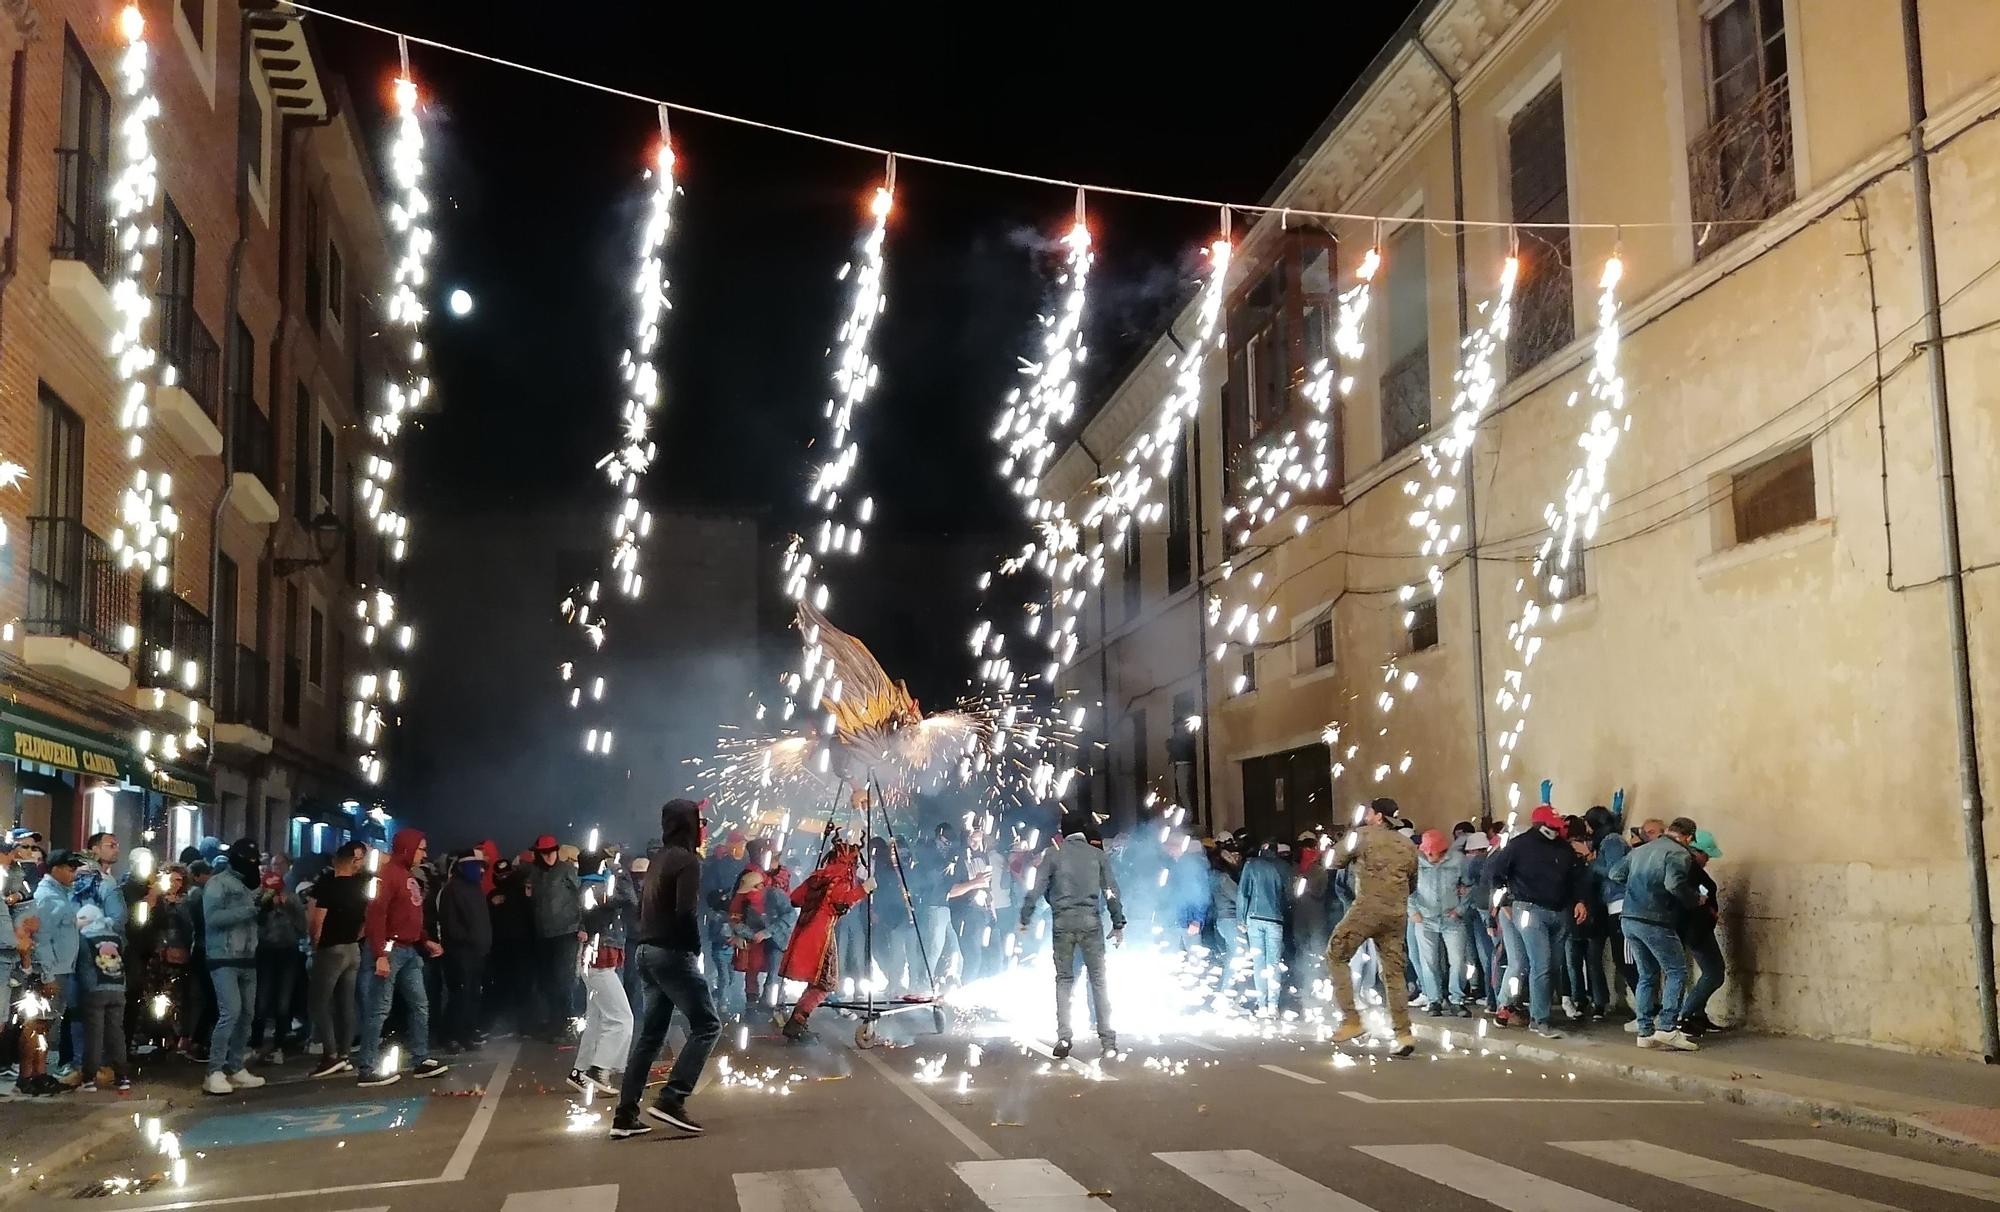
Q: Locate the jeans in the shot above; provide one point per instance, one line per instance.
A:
(1586, 972)
(464, 977)
(1514, 977)
(277, 970)
(1541, 931)
(103, 1032)
(1441, 955)
(1486, 946)
(635, 988)
(1228, 937)
(235, 1004)
(406, 976)
(332, 997)
(940, 944)
(1662, 961)
(1707, 955)
(1266, 947)
(607, 1024)
(673, 982)
(1068, 945)
(555, 972)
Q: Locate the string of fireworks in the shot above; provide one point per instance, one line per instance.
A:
(839, 534)
(380, 688)
(626, 465)
(1573, 524)
(1026, 434)
(1281, 472)
(147, 523)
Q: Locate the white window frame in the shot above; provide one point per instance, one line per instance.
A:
(259, 182)
(1722, 491)
(334, 320)
(200, 52)
(315, 604)
(1303, 669)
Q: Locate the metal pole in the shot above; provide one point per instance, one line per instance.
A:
(1471, 486)
(1207, 804)
(1972, 802)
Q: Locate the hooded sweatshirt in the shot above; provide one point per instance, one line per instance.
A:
(669, 908)
(1539, 869)
(396, 914)
(465, 924)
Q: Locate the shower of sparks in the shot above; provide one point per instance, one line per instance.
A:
(1572, 524)
(380, 688)
(626, 465)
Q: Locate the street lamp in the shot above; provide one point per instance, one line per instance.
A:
(325, 531)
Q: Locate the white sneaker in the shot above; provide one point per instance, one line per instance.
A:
(1652, 1041)
(277, 1057)
(1419, 1002)
(1677, 1042)
(243, 1079)
(1569, 1008)
(1632, 1028)
(216, 1083)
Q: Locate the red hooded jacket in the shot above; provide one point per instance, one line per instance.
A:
(396, 912)
(492, 852)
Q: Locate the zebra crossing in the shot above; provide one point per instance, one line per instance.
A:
(1243, 1178)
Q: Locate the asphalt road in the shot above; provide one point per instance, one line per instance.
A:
(1276, 1124)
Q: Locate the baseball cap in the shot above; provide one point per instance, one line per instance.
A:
(1705, 842)
(13, 839)
(65, 858)
(1475, 841)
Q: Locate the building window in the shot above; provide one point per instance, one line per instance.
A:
(294, 668)
(250, 132)
(1422, 624)
(1180, 524)
(1741, 166)
(316, 647)
(336, 284)
(315, 245)
(1140, 775)
(1246, 675)
(176, 292)
(1774, 495)
(83, 177)
(1278, 330)
(1406, 379)
(325, 501)
(59, 486)
(1544, 310)
(195, 12)
(1133, 579)
(302, 460)
(1570, 583)
(1321, 638)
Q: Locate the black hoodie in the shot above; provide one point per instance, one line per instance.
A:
(669, 908)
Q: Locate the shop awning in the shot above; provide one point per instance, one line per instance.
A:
(28, 735)
(182, 784)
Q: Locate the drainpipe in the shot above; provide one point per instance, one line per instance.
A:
(1971, 800)
(1471, 487)
(17, 95)
(230, 353)
(1193, 456)
(1103, 642)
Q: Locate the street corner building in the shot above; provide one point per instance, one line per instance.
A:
(213, 702)
(1752, 627)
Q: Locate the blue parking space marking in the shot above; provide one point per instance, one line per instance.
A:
(303, 1123)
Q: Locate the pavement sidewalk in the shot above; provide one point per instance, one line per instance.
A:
(42, 1136)
(1935, 1099)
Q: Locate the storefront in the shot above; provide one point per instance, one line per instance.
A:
(67, 782)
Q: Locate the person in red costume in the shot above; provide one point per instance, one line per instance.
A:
(840, 883)
(746, 920)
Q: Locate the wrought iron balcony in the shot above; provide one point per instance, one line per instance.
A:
(174, 640)
(1741, 168)
(75, 587)
(243, 690)
(83, 212)
(192, 352)
(253, 441)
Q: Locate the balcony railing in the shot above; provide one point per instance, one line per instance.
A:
(172, 633)
(243, 690)
(1741, 168)
(294, 683)
(191, 351)
(1406, 400)
(83, 211)
(253, 441)
(75, 587)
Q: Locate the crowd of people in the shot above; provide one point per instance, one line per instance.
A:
(228, 957)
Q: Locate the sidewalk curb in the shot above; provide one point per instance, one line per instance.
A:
(96, 1130)
(1855, 1112)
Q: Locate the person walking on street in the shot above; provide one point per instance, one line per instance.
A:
(1385, 869)
(555, 893)
(1545, 879)
(607, 1020)
(465, 931)
(1260, 898)
(1438, 910)
(229, 921)
(1077, 883)
(1660, 888)
(396, 945)
(669, 957)
(334, 922)
(633, 878)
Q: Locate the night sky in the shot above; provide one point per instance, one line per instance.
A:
(539, 187)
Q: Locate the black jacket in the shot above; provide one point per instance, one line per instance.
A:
(1538, 869)
(670, 906)
(464, 921)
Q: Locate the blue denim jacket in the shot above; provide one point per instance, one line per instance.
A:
(1659, 881)
(1442, 887)
(1611, 850)
(1260, 893)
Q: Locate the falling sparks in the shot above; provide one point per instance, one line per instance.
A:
(379, 690)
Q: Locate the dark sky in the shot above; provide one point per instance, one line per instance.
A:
(538, 185)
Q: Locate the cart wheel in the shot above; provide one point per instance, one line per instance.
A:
(865, 1037)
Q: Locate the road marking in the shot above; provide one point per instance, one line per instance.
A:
(1069, 1062)
(1297, 1077)
(1968, 1183)
(1205, 1047)
(482, 1117)
(271, 1127)
(945, 1119)
(1029, 1184)
(1483, 1178)
(1253, 1181)
(1359, 1097)
(566, 1199)
(1719, 1178)
(794, 1191)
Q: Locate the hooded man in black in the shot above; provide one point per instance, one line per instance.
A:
(667, 952)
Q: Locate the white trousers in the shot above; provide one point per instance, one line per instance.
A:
(607, 1024)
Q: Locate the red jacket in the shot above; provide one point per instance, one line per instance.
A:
(825, 896)
(396, 910)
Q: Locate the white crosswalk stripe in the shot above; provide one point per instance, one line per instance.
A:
(567, 1199)
(1253, 1181)
(1483, 1178)
(1968, 1183)
(794, 1191)
(1026, 1185)
(1767, 1191)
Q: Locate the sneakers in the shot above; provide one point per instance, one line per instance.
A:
(1418, 1002)
(332, 1066)
(276, 1057)
(600, 1077)
(1632, 1028)
(673, 1112)
(1109, 1042)
(1462, 1010)
(430, 1066)
(1650, 1041)
(1545, 1030)
(243, 1079)
(124, 1085)
(1569, 1008)
(1436, 1009)
(578, 1082)
(1350, 1029)
(627, 1123)
(1675, 1041)
(88, 1087)
(1061, 1050)
(380, 1077)
(216, 1083)
(1405, 1045)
